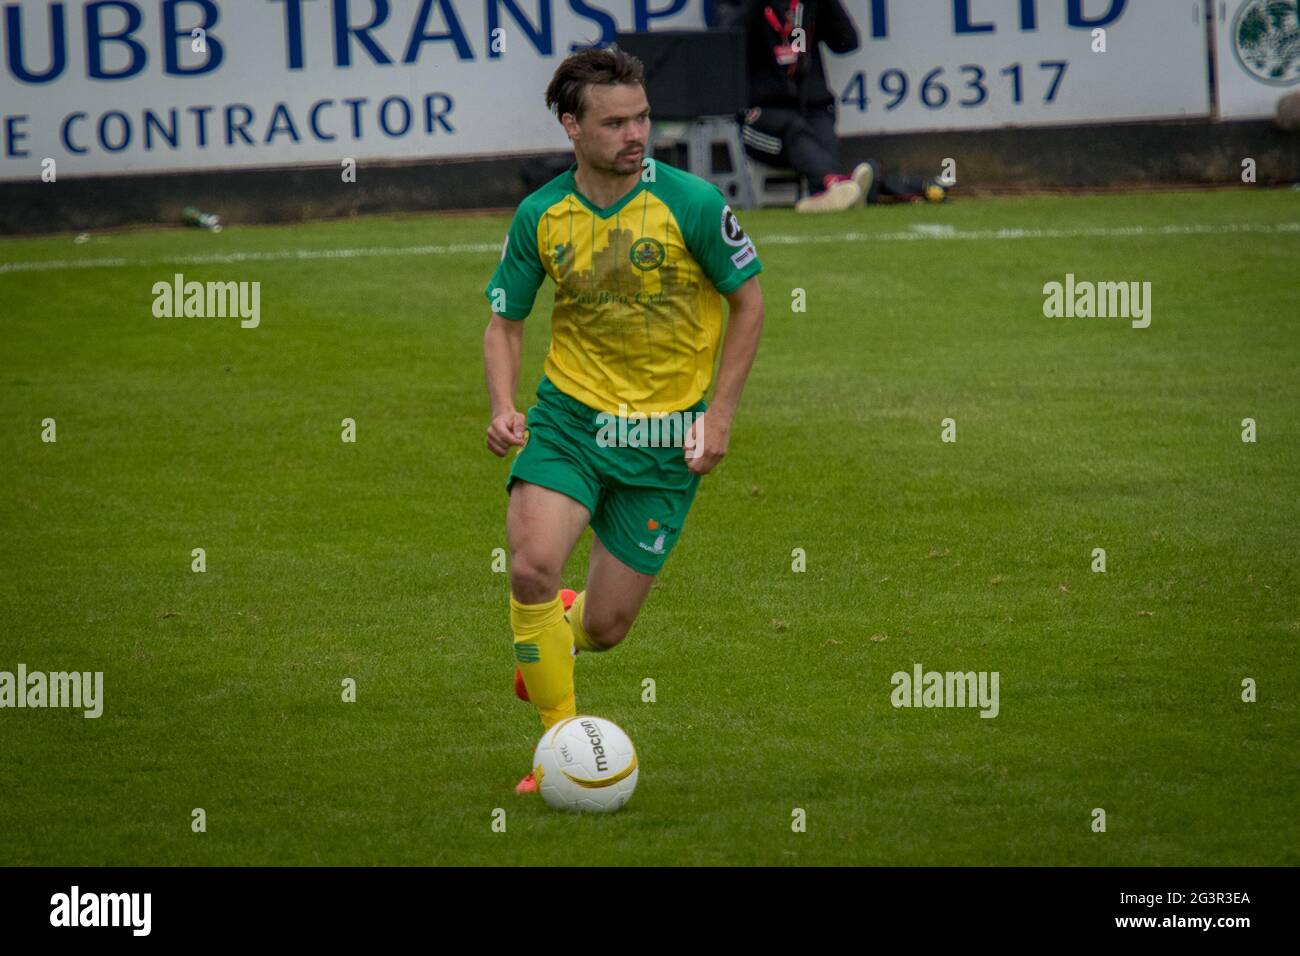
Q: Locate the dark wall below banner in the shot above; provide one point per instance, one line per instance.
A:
(1127, 155)
(1136, 155)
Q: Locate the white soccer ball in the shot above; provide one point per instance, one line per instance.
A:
(586, 765)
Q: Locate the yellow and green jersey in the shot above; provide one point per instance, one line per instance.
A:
(638, 286)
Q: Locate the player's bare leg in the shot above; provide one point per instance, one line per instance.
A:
(542, 526)
(613, 598)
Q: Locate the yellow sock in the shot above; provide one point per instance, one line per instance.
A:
(581, 639)
(544, 650)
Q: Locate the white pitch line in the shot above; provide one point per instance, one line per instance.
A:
(220, 258)
(930, 232)
(921, 232)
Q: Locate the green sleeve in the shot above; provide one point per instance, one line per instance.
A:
(519, 274)
(719, 244)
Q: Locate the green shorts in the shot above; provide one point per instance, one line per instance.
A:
(638, 496)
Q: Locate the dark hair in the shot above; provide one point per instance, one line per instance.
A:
(567, 91)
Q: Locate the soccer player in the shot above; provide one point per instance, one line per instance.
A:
(641, 255)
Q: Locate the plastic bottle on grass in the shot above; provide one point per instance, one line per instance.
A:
(204, 220)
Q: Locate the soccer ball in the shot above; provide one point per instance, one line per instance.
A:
(586, 765)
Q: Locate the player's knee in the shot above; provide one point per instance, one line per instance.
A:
(534, 579)
(607, 633)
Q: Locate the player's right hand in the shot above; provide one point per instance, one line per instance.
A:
(506, 430)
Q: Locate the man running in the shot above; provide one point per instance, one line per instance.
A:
(641, 255)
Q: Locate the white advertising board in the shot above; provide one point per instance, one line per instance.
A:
(962, 64)
(1256, 55)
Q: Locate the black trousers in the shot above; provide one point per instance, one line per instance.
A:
(802, 140)
(805, 141)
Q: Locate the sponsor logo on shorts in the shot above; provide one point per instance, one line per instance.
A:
(664, 530)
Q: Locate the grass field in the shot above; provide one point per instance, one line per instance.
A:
(325, 560)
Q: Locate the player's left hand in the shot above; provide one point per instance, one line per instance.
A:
(706, 443)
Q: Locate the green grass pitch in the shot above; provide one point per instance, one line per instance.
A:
(373, 560)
